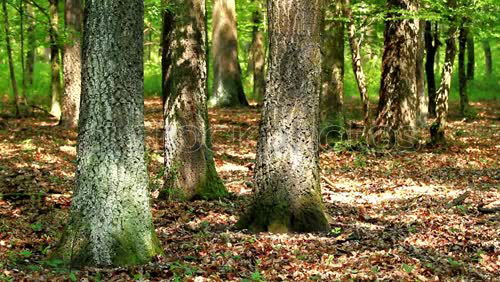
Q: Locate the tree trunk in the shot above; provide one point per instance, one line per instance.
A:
(55, 65)
(422, 98)
(257, 55)
(437, 129)
(23, 66)
(190, 168)
(471, 56)
(110, 220)
(488, 61)
(357, 66)
(332, 95)
(72, 64)
(30, 53)
(227, 87)
(396, 120)
(9, 55)
(431, 46)
(462, 77)
(288, 195)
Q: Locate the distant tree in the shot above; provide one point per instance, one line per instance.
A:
(438, 127)
(432, 43)
(462, 75)
(190, 168)
(227, 86)
(31, 44)
(422, 98)
(396, 120)
(332, 96)
(288, 196)
(257, 53)
(488, 61)
(110, 219)
(72, 64)
(9, 55)
(21, 53)
(55, 63)
(471, 56)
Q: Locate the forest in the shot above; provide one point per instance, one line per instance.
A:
(249, 140)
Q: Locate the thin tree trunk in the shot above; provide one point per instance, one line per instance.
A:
(396, 120)
(488, 59)
(438, 128)
(462, 77)
(332, 97)
(73, 13)
(190, 168)
(23, 66)
(431, 46)
(227, 87)
(471, 56)
(422, 98)
(30, 54)
(9, 55)
(257, 55)
(357, 66)
(110, 219)
(55, 65)
(288, 195)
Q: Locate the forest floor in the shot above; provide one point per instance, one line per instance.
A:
(395, 214)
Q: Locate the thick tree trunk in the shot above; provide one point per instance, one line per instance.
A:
(438, 128)
(462, 77)
(72, 64)
(190, 168)
(288, 195)
(332, 95)
(55, 64)
(431, 46)
(30, 53)
(110, 220)
(9, 55)
(488, 60)
(422, 98)
(357, 65)
(227, 87)
(396, 120)
(471, 56)
(257, 55)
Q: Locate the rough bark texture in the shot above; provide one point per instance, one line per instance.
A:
(30, 53)
(55, 64)
(110, 220)
(462, 76)
(9, 55)
(227, 87)
(422, 98)
(396, 120)
(332, 95)
(488, 61)
(437, 129)
(73, 13)
(257, 54)
(190, 168)
(357, 65)
(471, 56)
(431, 46)
(288, 196)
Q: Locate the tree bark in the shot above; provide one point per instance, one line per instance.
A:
(23, 66)
(462, 76)
(110, 219)
(190, 168)
(55, 65)
(357, 65)
(396, 120)
(422, 98)
(73, 13)
(13, 80)
(288, 195)
(332, 95)
(30, 53)
(257, 54)
(471, 56)
(488, 60)
(431, 46)
(438, 128)
(227, 87)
